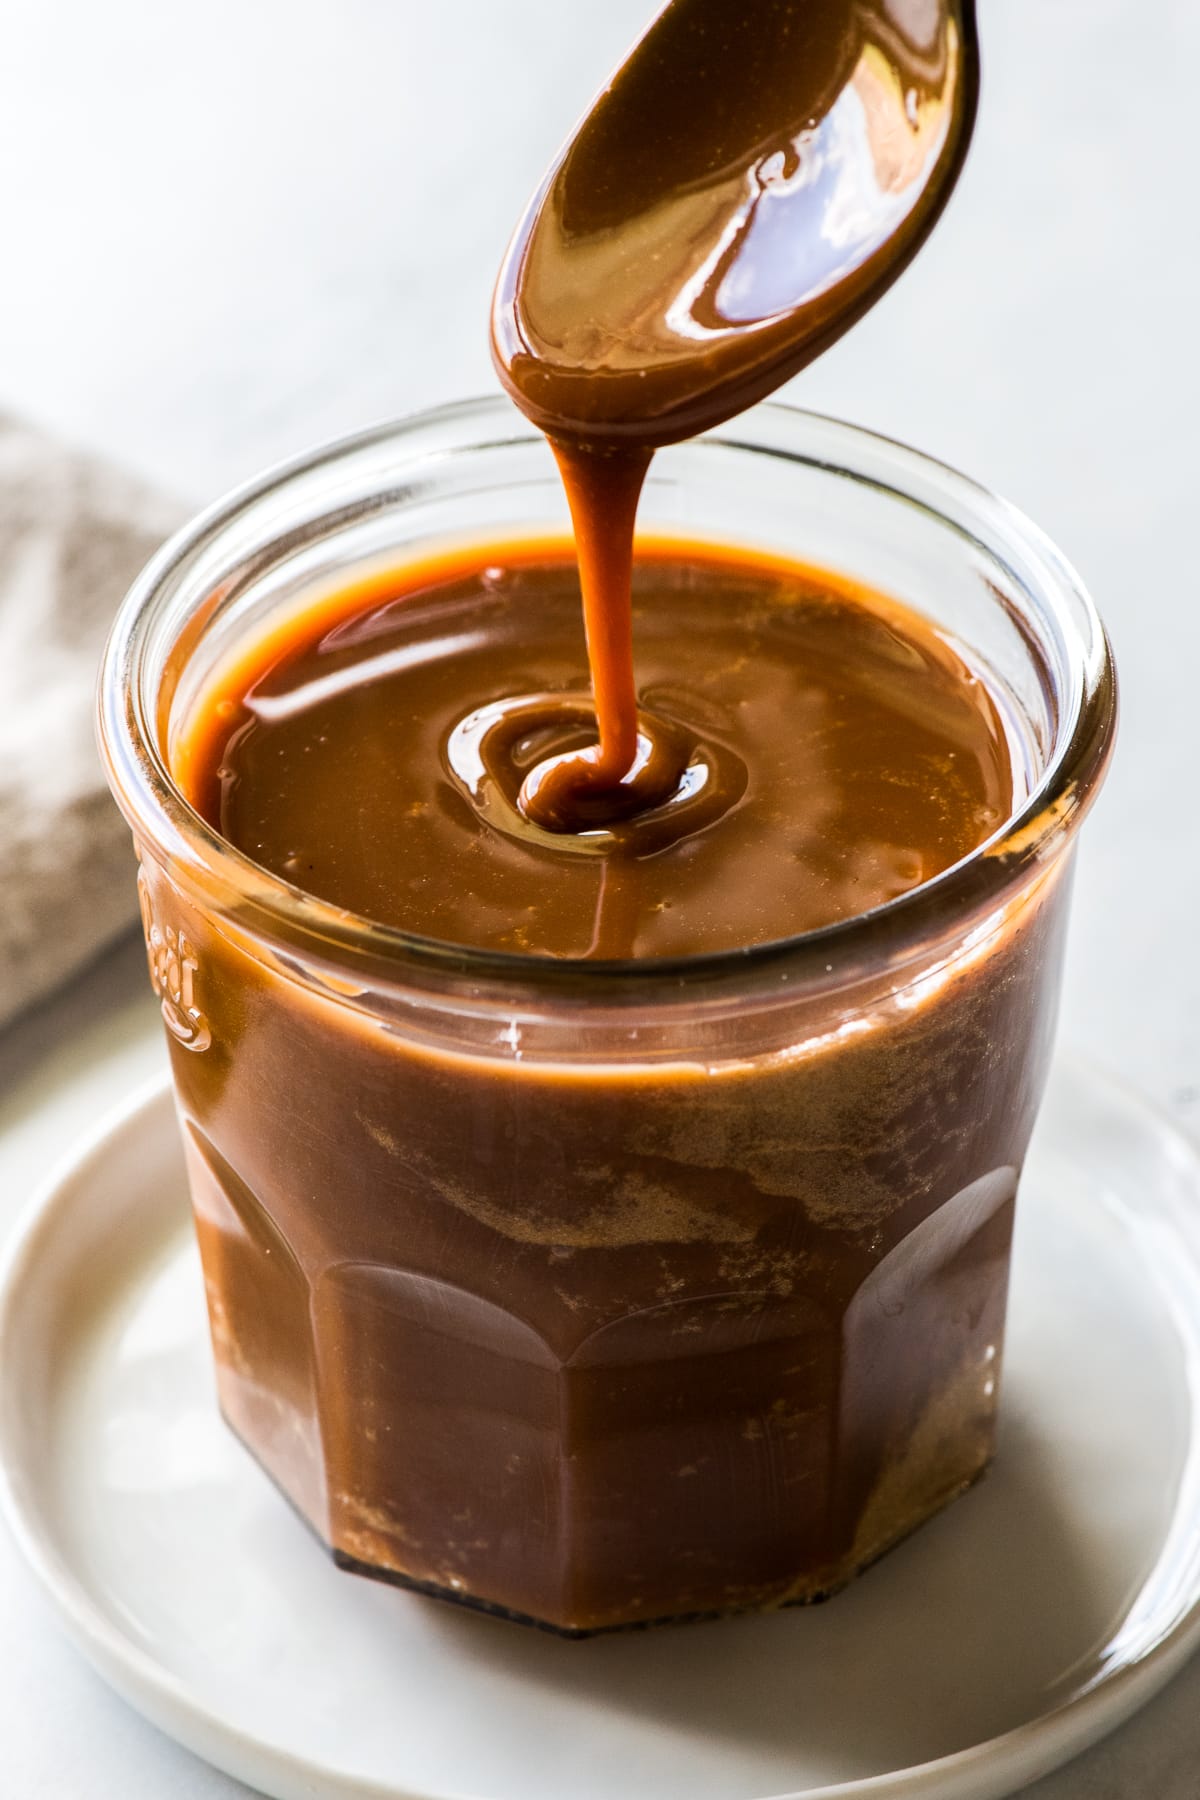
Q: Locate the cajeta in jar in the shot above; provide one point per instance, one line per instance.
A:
(644, 1255)
(621, 972)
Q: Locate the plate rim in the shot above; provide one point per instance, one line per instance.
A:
(992, 1768)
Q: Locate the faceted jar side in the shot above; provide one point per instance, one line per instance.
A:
(601, 1341)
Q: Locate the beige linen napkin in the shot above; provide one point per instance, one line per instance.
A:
(73, 534)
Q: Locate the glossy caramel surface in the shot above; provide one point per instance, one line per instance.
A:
(832, 752)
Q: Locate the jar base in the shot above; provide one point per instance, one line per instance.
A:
(807, 1590)
(827, 1588)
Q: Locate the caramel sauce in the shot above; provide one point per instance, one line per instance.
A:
(822, 748)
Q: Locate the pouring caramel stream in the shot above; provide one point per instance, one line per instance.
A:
(751, 180)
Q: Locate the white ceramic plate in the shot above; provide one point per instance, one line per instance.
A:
(1027, 1620)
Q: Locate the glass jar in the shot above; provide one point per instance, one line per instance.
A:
(603, 1293)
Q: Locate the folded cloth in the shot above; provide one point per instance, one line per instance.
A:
(73, 534)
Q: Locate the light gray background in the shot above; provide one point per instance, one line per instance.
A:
(231, 229)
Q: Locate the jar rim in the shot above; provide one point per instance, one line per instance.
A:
(290, 919)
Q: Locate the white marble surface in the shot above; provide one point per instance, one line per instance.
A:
(233, 230)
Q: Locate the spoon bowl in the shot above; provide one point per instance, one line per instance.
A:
(750, 181)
